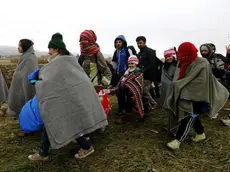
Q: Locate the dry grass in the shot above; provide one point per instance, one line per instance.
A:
(123, 148)
(13, 60)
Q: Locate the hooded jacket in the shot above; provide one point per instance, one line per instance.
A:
(120, 57)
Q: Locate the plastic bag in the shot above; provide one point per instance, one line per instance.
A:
(29, 117)
(104, 98)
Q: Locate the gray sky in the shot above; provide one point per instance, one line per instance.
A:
(165, 23)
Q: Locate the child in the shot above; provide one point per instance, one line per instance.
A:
(131, 88)
(168, 71)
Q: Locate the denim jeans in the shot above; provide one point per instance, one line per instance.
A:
(45, 144)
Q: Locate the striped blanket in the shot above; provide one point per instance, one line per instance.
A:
(135, 82)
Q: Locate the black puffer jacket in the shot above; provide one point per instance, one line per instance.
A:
(150, 64)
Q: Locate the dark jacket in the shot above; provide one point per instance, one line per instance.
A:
(150, 64)
(121, 57)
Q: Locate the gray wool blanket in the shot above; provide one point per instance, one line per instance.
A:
(21, 90)
(3, 89)
(166, 80)
(68, 102)
(198, 85)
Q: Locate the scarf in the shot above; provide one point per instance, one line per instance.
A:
(187, 53)
(88, 43)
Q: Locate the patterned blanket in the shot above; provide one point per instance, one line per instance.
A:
(135, 82)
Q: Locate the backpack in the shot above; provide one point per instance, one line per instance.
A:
(130, 47)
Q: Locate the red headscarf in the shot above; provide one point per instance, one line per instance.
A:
(187, 53)
(88, 43)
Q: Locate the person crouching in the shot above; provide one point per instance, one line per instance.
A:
(131, 89)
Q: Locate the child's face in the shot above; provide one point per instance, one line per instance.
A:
(132, 65)
(169, 59)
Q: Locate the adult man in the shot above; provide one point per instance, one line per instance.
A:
(218, 61)
(151, 67)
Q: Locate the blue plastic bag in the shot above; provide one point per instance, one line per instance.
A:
(29, 117)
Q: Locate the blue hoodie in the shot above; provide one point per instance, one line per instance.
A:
(121, 57)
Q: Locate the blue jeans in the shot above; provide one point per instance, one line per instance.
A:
(45, 144)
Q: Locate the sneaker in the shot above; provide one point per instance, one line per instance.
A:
(153, 106)
(82, 153)
(120, 111)
(102, 130)
(121, 121)
(23, 134)
(174, 145)
(87, 138)
(37, 157)
(226, 122)
(215, 116)
(199, 137)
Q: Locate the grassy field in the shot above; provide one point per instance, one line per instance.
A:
(133, 147)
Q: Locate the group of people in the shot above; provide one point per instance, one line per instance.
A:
(63, 93)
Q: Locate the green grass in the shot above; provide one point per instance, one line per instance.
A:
(132, 147)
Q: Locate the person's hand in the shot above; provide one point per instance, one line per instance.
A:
(228, 49)
(99, 87)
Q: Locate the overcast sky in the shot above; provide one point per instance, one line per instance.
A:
(165, 23)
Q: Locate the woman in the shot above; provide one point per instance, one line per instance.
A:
(21, 90)
(3, 92)
(195, 89)
(167, 72)
(68, 103)
(93, 61)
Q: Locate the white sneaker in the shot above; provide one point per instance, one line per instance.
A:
(199, 137)
(226, 122)
(215, 116)
(174, 145)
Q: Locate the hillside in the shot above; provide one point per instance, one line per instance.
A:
(6, 51)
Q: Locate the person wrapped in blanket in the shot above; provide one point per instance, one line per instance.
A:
(167, 77)
(196, 91)
(131, 90)
(66, 103)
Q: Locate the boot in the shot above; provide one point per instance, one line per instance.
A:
(121, 121)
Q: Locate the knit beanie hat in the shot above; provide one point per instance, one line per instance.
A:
(205, 47)
(56, 42)
(133, 59)
(170, 52)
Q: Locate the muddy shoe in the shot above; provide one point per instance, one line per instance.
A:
(199, 138)
(120, 121)
(37, 157)
(174, 145)
(4, 108)
(22, 134)
(120, 111)
(226, 121)
(82, 153)
(2, 113)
